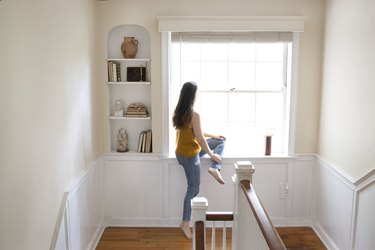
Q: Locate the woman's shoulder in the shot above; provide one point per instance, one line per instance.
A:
(195, 114)
(195, 119)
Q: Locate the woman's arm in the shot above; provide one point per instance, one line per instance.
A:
(219, 137)
(199, 135)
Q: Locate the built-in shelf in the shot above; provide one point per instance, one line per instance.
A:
(129, 59)
(129, 92)
(129, 118)
(129, 83)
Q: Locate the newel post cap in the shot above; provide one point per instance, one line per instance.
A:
(199, 207)
(244, 170)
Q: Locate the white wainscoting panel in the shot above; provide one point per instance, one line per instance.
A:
(344, 208)
(301, 177)
(82, 217)
(266, 181)
(364, 237)
(134, 192)
(149, 190)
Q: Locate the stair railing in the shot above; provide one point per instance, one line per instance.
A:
(252, 227)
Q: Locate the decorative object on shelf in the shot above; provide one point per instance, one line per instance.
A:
(122, 141)
(119, 109)
(129, 47)
(136, 74)
(136, 109)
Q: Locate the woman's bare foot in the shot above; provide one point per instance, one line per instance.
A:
(186, 229)
(216, 174)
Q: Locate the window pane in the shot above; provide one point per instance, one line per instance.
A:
(269, 75)
(270, 52)
(214, 75)
(269, 107)
(214, 52)
(190, 71)
(242, 52)
(240, 139)
(213, 107)
(241, 75)
(241, 107)
(190, 52)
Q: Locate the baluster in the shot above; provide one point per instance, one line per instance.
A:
(213, 240)
(224, 236)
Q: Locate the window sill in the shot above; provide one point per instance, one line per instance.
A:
(245, 157)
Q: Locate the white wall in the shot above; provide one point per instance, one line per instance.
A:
(144, 13)
(348, 91)
(48, 116)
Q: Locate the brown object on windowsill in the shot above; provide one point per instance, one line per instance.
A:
(268, 145)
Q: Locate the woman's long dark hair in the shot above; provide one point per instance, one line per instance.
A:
(184, 110)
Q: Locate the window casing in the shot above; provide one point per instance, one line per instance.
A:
(170, 24)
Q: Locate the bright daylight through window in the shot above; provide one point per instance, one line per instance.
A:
(243, 81)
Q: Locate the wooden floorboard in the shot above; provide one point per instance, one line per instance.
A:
(120, 238)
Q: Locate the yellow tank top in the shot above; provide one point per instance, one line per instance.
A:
(187, 144)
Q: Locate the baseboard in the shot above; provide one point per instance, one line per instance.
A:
(96, 237)
(142, 222)
(324, 237)
(283, 222)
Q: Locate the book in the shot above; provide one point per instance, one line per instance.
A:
(109, 65)
(143, 142)
(148, 148)
(140, 140)
(118, 72)
(114, 71)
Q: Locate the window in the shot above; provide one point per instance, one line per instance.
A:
(243, 80)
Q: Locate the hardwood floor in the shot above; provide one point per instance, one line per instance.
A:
(116, 238)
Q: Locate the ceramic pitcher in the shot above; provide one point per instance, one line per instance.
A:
(129, 47)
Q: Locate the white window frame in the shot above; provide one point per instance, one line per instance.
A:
(168, 24)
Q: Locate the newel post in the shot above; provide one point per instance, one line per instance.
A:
(244, 171)
(199, 207)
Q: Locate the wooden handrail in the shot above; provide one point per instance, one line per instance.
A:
(219, 216)
(270, 234)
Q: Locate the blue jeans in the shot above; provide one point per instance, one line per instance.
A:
(192, 168)
(217, 146)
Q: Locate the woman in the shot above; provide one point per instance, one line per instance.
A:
(191, 145)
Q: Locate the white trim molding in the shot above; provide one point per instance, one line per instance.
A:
(231, 23)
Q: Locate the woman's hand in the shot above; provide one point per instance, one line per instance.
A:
(219, 137)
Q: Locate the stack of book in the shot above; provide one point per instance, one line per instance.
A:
(114, 71)
(145, 142)
(136, 109)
